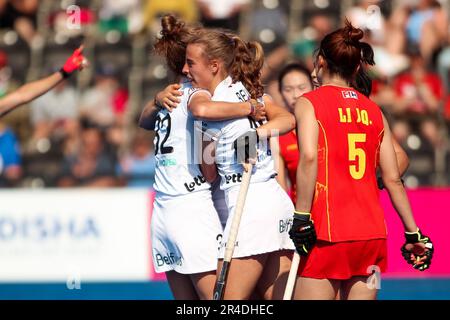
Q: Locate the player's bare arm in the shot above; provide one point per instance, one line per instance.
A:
(402, 157)
(167, 98)
(280, 121)
(392, 181)
(203, 108)
(35, 89)
(308, 133)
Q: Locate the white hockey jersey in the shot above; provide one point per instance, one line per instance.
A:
(226, 132)
(177, 164)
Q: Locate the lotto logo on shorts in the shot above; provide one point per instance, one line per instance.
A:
(349, 95)
(168, 259)
(234, 178)
(285, 225)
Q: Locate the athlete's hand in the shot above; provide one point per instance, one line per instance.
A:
(303, 233)
(245, 147)
(169, 97)
(258, 112)
(418, 250)
(75, 62)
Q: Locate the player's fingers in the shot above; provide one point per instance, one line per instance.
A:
(79, 49)
(174, 99)
(167, 107)
(172, 103)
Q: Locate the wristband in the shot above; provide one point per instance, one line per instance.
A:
(253, 105)
(64, 73)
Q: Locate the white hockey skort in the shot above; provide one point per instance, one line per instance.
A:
(185, 233)
(265, 221)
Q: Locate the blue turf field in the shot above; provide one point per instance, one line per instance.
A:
(402, 289)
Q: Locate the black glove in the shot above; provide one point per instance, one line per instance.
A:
(420, 259)
(303, 233)
(245, 146)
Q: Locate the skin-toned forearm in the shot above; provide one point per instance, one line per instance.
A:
(402, 157)
(308, 136)
(306, 183)
(203, 109)
(392, 181)
(280, 167)
(28, 92)
(401, 204)
(280, 121)
(148, 116)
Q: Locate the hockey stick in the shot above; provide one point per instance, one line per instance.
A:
(292, 277)
(221, 282)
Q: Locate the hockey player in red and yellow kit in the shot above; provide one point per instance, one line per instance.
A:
(339, 226)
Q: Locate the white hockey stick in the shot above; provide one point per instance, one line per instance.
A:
(290, 284)
(219, 289)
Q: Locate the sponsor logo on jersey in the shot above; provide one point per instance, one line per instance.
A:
(198, 181)
(166, 162)
(349, 95)
(170, 258)
(285, 225)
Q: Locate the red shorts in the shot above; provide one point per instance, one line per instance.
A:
(344, 260)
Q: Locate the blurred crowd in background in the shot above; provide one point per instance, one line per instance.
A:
(84, 132)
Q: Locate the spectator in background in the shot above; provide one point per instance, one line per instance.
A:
(92, 165)
(10, 160)
(137, 169)
(96, 103)
(221, 14)
(427, 27)
(105, 104)
(302, 49)
(383, 35)
(418, 95)
(294, 80)
(122, 15)
(19, 15)
(422, 24)
(58, 20)
(5, 74)
(54, 116)
(155, 9)
(318, 26)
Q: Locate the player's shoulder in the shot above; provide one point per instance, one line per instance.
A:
(367, 101)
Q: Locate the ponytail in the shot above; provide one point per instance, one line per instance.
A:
(173, 42)
(247, 64)
(347, 56)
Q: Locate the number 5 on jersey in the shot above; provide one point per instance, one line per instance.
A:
(357, 154)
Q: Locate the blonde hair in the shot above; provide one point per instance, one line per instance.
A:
(242, 60)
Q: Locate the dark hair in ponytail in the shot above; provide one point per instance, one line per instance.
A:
(347, 56)
(173, 41)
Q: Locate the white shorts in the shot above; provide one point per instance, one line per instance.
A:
(265, 221)
(220, 203)
(185, 233)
